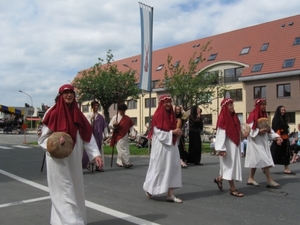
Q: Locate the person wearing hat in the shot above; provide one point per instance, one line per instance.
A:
(164, 171)
(64, 172)
(258, 154)
(228, 141)
(122, 127)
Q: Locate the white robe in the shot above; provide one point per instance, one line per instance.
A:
(164, 169)
(230, 165)
(123, 144)
(258, 154)
(65, 181)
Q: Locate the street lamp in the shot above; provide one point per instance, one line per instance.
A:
(31, 106)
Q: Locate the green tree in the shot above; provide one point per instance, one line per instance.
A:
(188, 87)
(107, 84)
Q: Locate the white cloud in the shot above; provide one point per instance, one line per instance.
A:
(44, 44)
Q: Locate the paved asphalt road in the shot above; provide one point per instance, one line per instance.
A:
(115, 197)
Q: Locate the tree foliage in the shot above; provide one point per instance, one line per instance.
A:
(105, 83)
(188, 87)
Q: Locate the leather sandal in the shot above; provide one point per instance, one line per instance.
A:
(273, 184)
(174, 199)
(219, 183)
(236, 193)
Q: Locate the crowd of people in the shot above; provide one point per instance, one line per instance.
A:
(73, 141)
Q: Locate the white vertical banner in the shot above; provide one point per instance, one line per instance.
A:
(146, 13)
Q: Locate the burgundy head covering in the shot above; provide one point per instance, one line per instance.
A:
(229, 122)
(257, 113)
(68, 119)
(163, 119)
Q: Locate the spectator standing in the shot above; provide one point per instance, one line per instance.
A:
(295, 145)
(182, 149)
(281, 152)
(195, 129)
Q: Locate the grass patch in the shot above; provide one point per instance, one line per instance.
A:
(134, 150)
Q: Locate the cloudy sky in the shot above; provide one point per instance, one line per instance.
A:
(43, 44)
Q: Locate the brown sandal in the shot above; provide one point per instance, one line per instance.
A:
(219, 183)
(236, 193)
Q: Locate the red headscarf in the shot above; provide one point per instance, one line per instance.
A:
(64, 119)
(163, 119)
(229, 122)
(257, 113)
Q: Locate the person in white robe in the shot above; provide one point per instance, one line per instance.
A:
(258, 154)
(122, 127)
(164, 171)
(64, 175)
(228, 141)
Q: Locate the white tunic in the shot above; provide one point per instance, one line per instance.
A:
(164, 169)
(258, 154)
(65, 181)
(230, 165)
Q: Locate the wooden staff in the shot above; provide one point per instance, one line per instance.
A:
(115, 128)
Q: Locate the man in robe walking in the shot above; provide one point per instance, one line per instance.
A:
(122, 127)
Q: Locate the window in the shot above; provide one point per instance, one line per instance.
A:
(85, 108)
(134, 119)
(240, 116)
(153, 103)
(154, 83)
(297, 41)
(132, 104)
(212, 57)
(197, 59)
(264, 47)
(259, 92)
(177, 63)
(207, 119)
(257, 67)
(232, 75)
(290, 117)
(288, 63)
(283, 90)
(147, 119)
(234, 94)
(159, 68)
(245, 51)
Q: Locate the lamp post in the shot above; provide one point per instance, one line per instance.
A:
(31, 106)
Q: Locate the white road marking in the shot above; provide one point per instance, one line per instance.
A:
(21, 146)
(89, 204)
(5, 147)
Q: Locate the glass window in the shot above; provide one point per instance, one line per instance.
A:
(257, 67)
(177, 63)
(232, 75)
(288, 63)
(207, 119)
(245, 51)
(153, 102)
(132, 104)
(234, 94)
(212, 57)
(134, 119)
(290, 117)
(85, 108)
(283, 90)
(297, 41)
(160, 67)
(197, 59)
(264, 47)
(154, 83)
(259, 92)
